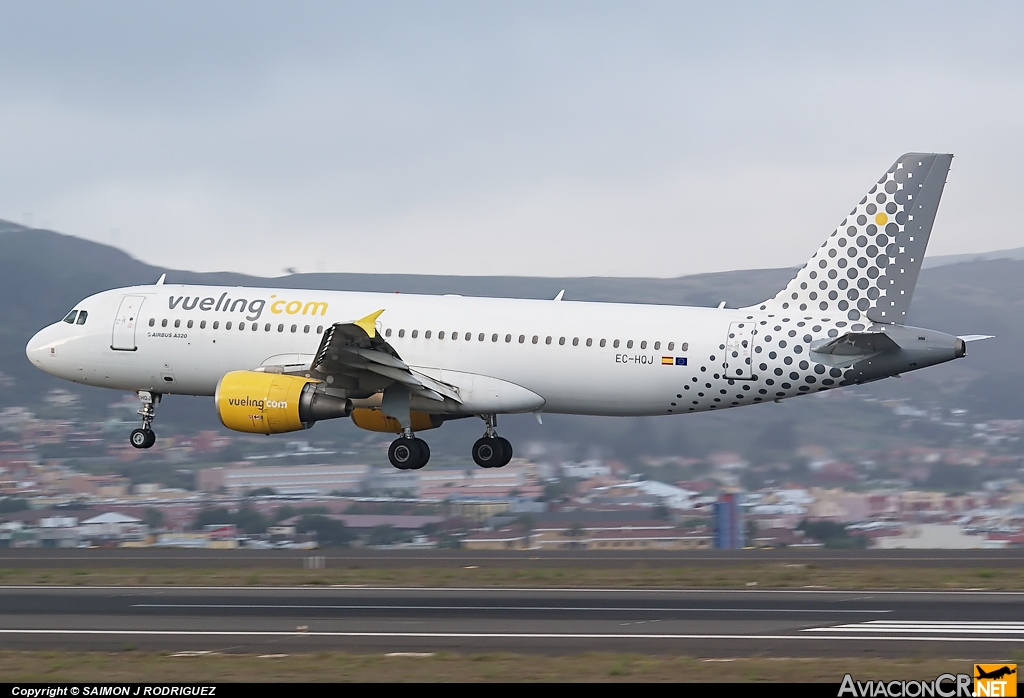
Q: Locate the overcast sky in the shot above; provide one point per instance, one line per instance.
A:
(548, 138)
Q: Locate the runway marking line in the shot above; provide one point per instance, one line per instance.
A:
(927, 626)
(497, 636)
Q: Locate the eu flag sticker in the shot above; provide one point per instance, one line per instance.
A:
(680, 361)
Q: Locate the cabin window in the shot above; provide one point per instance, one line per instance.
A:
(561, 341)
(280, 328)
(177, 323)
(401, 333)
(426, 334)
(70, 319)
(266, 328)
(603, 342)
(494, 337)
(481, 337)
(319, 329)
(387, 332)
(522, 339)
(535, 339)
(241, 327)
(615, 344)
(202, 324)
(440, 335)
(306, 329)
(671, 346)
(163, 323)
(575, 341)
(227, 325)
(684, 346)
(415, 334)
(189, 324)
(455, 335)
(216, 324)
(508, 338)
(294, 328)
(590, 342)
(629, 344)
(643, 344)
(657, 346)
(152, 321)
(547, 340)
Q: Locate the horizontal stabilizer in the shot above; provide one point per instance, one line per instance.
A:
(858, 344)
(975, 337)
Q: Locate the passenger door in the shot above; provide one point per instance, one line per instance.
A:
(739, 348)
(124, 323)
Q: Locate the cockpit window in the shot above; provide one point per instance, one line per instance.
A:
(82, 317)
(70, 319)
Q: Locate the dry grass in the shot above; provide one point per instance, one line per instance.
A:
(52, 666)
(760, 575)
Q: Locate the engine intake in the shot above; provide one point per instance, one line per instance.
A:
(273, 403)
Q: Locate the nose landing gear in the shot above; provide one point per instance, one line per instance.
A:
(491, 450)
(144, 437)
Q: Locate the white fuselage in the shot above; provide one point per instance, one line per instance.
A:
(839, 321)
(566, 357)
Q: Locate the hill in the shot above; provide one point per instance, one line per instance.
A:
(44, 273)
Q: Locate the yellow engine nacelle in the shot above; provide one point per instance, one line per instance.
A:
(375, 420)
(273, 403)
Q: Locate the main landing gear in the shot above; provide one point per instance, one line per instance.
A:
(491, 450)
(408, 452)
(144, 437)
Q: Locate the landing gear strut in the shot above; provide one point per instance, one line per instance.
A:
(492, 451)
(408, 452)
(144, 437)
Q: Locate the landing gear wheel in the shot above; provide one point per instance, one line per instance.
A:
(506, 447)
(409, 453)
(492, 452)
(487, 452)
(424, 454)
(142, 438)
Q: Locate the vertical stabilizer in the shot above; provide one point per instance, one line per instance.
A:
(867, 269)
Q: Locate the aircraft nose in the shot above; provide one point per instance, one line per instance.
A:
(39, 347)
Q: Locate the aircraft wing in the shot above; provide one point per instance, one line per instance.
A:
(355, 359)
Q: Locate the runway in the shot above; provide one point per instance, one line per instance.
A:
(699, 623)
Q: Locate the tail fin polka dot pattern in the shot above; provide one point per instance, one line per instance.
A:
(868, 268)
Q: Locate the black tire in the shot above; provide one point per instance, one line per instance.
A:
(488, 452)
(404, 453)
(142, 438)
(506, 447)
(423, 454)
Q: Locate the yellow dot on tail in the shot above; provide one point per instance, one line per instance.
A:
(881, 218)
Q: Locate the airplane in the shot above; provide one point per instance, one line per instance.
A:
(995, 674)
(280, 360)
